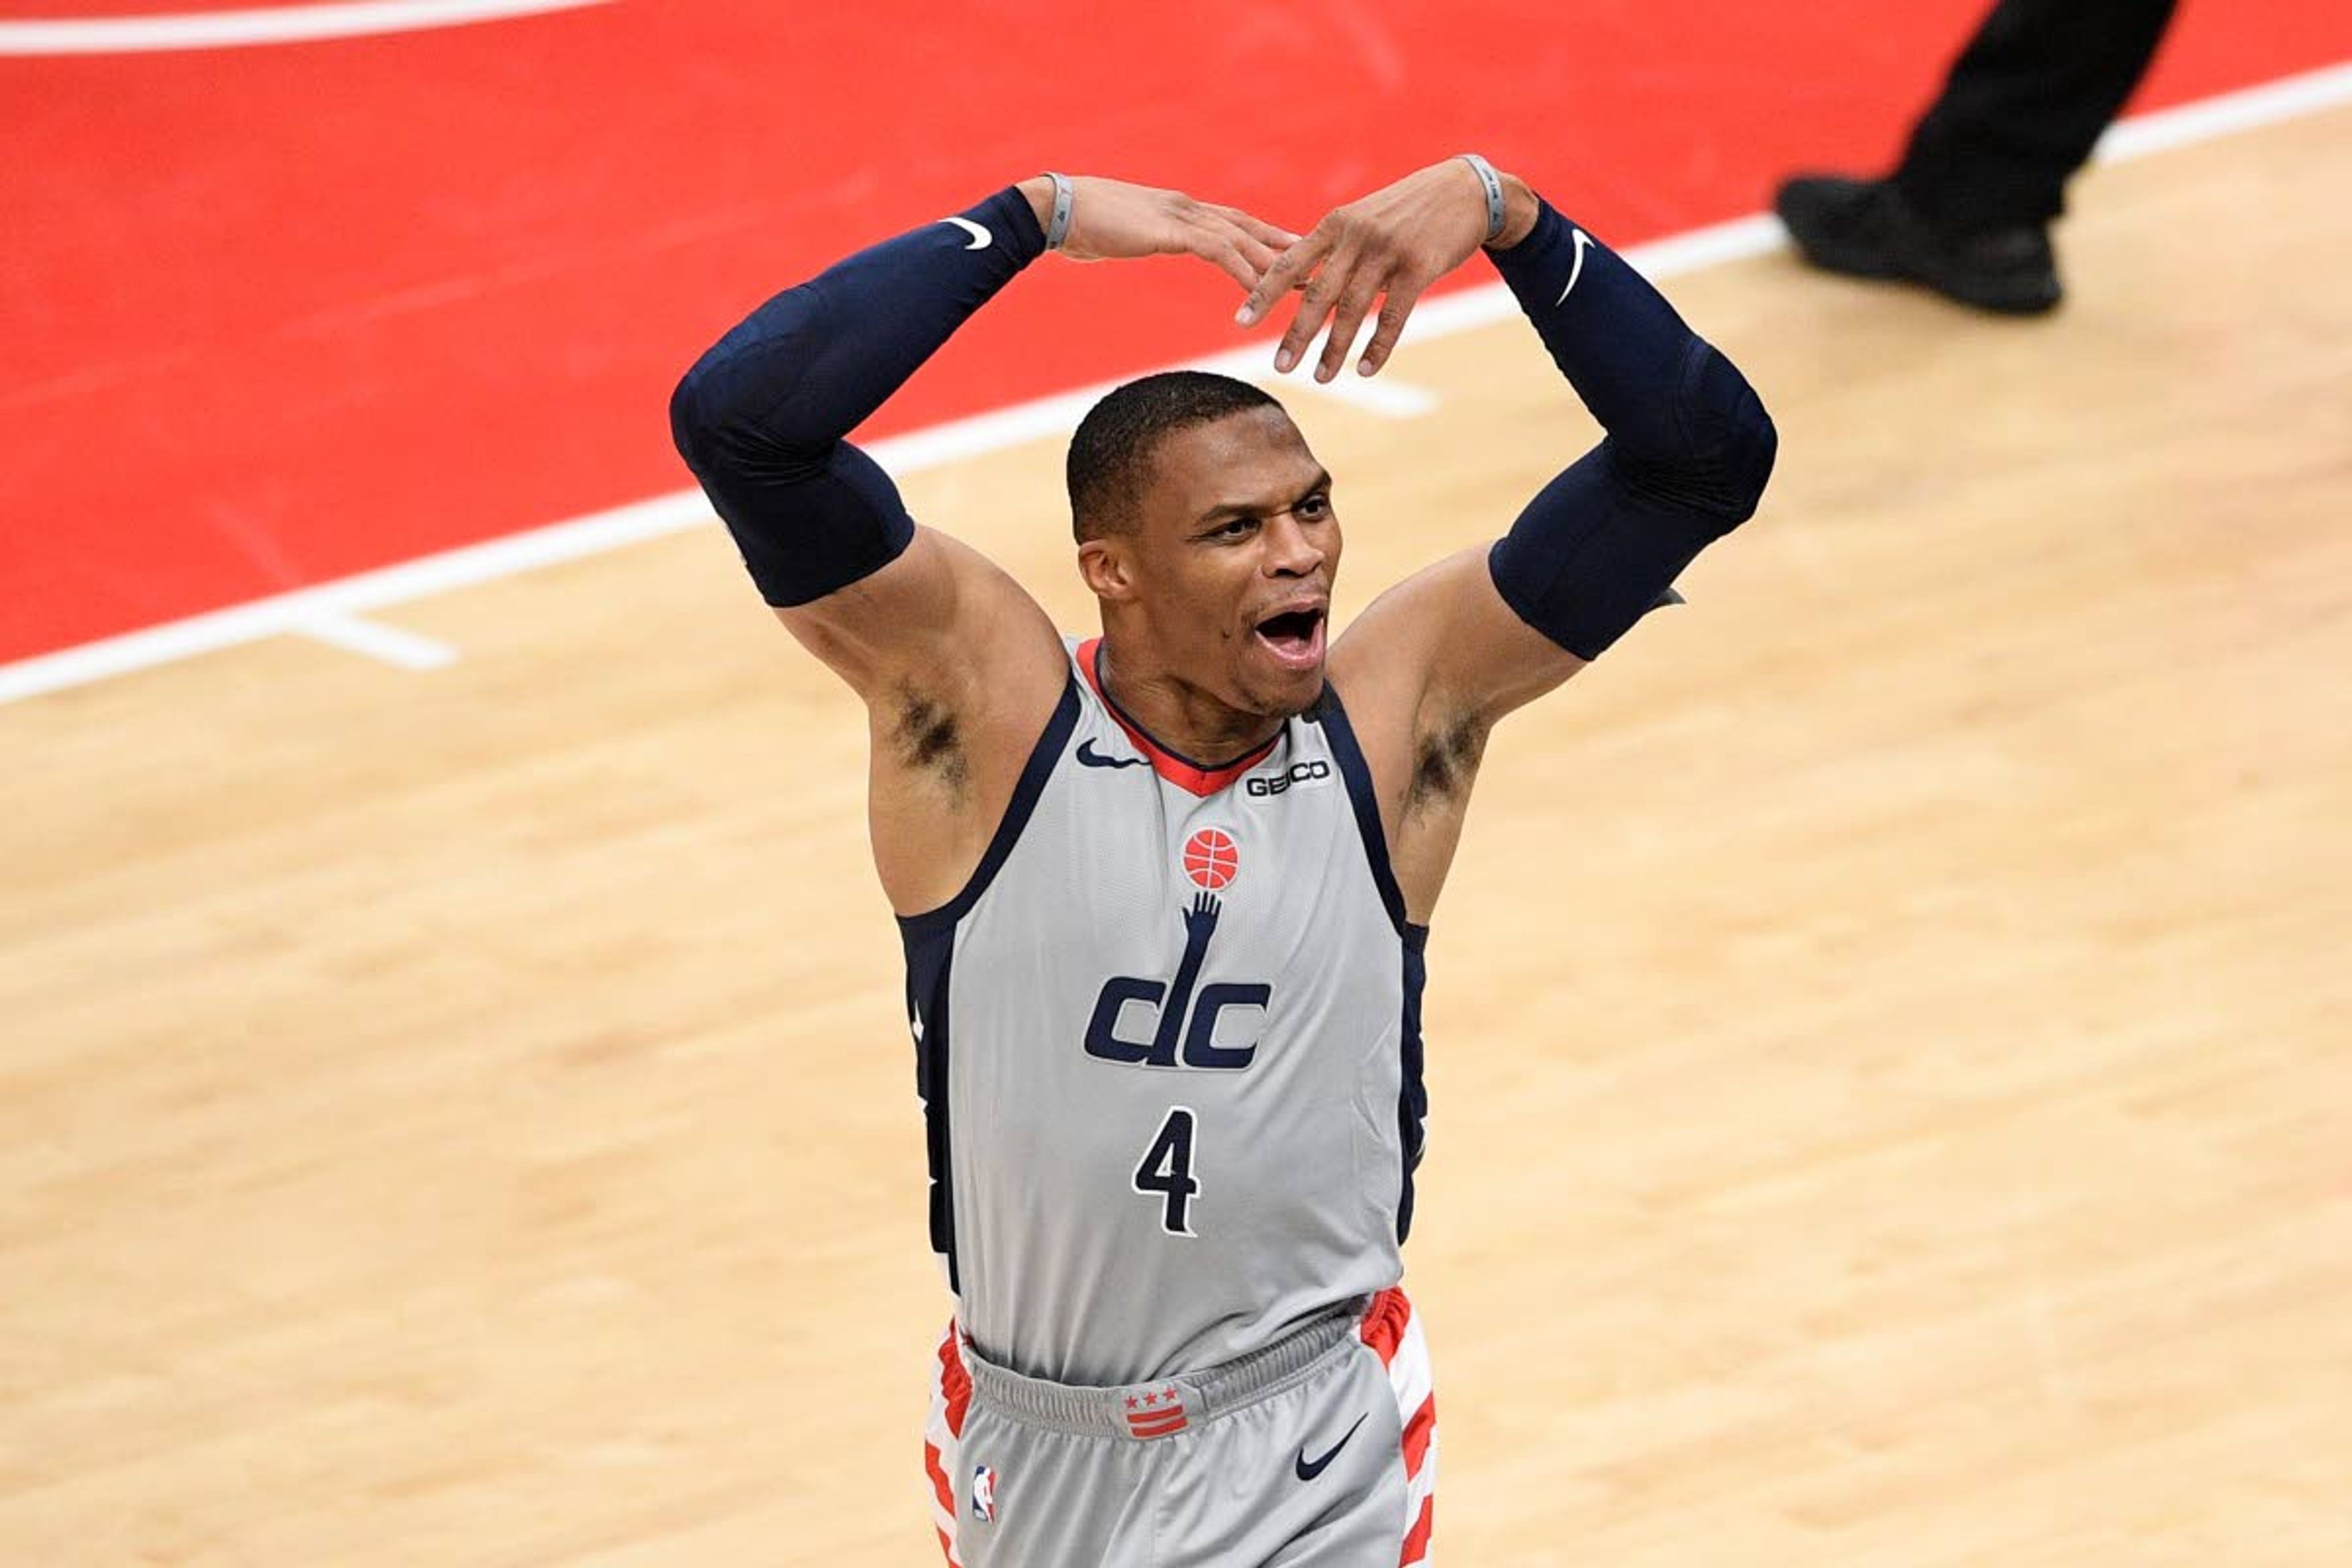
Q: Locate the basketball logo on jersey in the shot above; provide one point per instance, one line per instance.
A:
(1185, 1014)
(983, 1494)
(1213, 860)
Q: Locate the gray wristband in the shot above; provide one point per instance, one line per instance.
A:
(1059, 228)
(1494, 184)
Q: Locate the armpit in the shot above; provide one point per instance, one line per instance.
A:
(1445, 764)
(926, 739)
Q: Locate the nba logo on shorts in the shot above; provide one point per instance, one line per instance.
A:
(983, 1494)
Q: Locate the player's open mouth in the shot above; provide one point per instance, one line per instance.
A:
(1295, 638)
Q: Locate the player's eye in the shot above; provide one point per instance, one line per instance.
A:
(1234, 528)
(1313, 509)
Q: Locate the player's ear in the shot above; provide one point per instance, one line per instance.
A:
(1108, 564)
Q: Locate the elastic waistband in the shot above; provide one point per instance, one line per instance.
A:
(1143, 1411)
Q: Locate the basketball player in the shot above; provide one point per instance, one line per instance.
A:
(1164, 892)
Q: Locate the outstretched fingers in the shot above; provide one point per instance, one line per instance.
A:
(1239, 249)
(1315, 306)
(1342, 269)
(1260, 254)
(1270, 234)
(1225, 252)
(1289, 270)
(1355, 302)
(1403, 293)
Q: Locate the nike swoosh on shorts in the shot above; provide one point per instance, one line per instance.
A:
(1310, 1469)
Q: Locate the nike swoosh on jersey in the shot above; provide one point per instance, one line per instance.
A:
(1576, 271)
(981, 239)
(1310, 1469)
(1090, 757)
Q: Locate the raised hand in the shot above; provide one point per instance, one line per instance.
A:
(1389, 247)
(1201, 918)
(1113, 220)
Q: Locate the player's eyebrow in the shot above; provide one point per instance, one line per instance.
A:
(1321, 482)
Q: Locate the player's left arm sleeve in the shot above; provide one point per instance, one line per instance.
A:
(762, 416)
(1687, 452)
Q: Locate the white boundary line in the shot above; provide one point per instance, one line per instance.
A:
(1388, 399)
(302, 611)
(275, 25)
(390, 644)
(2230, 112)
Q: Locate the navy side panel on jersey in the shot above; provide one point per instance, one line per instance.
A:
(1412, 1100)
(929, 942)
(929, 954)
(1357, 774)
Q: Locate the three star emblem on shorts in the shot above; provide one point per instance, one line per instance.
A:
(1309, 1469)
(1156, 1415)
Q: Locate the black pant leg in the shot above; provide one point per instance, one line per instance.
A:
(2023, 107)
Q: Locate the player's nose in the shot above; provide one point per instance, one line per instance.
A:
(1290, 552)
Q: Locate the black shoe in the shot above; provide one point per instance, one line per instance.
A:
(1864, 228)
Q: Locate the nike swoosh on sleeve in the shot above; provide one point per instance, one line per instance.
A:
(1576, 271)
(981, 239)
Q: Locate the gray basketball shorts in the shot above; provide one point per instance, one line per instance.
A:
(1318, 1451)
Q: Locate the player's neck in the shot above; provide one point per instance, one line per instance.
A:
(1178, 714)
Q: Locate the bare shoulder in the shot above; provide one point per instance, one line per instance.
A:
(1425, 673)
(941, 612)
(959, 670)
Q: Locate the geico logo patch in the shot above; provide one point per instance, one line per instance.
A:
(1297, 775)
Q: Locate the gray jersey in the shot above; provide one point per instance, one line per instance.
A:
(1168, 1042)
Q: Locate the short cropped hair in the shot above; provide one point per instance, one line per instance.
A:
(1110, 456)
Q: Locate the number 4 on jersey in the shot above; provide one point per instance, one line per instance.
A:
(1167, 1171)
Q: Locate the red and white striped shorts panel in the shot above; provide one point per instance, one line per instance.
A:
(942, 1439)
(1393, 1329)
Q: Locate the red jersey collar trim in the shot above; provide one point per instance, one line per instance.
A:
(1181, 772)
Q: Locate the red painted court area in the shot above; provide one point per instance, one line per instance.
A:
(272, 315)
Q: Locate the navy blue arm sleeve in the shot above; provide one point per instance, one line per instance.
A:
(1687, 450)
(761, 416)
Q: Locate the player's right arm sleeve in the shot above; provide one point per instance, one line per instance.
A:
(762, 418)
(1688, 449)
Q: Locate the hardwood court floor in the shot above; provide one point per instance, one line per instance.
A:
(1888, 1031)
